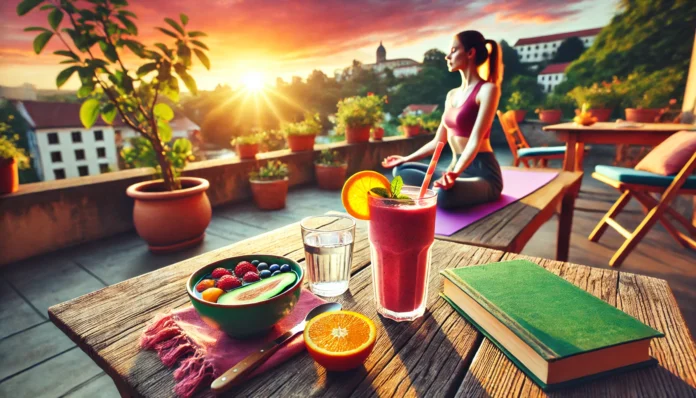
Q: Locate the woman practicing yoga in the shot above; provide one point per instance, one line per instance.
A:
(474, 176)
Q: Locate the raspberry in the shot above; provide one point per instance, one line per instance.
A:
(243, 267)
(219, 272)
(204, 284)
(251, 277)
(228, 282)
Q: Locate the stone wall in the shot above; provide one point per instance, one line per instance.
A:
(46, 216)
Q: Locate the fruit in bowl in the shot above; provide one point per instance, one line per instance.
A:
(236, 296)
(584, 117)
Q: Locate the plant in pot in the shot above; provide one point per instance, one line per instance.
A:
(377, 133)
(431, 121)
(330, 169)
(247, 146)
(645, 95)
(519, 102)
(357, 115)
(172, 212)
(552, 111)
(301, 135)
(411, 124)
(269, 185)
(12, 159)
(600, 98)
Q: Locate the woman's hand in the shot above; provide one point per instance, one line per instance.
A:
(446, 181)
(393, 161)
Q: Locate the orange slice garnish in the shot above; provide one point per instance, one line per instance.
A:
(340, 340)
(355, 191)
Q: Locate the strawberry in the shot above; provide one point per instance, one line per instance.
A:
(243, 267)
(251, 277)
(228, 282)
(204, 284)
(219, 272)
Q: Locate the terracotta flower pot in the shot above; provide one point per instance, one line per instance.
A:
(602, 114)
(642, 115)
(330, 177)
(412, 131)
(270, 195)
(550, 116)
(520, 115)
(377, 133)
(171, 220)
(299, 143)
(247, 151)
(9, 176)
(358, 134)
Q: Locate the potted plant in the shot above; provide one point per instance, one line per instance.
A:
(269, 185)
(377, 133)
(330, 169)
(11, 160)
(601, 98)
(431, 122)
(411, 124)
(644, 96)
(247, 146)
(551, 112)
(357, 115)
(519, 102)
(171, 212)
(301, 135)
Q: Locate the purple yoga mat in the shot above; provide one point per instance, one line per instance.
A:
(516, 185)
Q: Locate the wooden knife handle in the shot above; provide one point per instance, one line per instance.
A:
(240, 371)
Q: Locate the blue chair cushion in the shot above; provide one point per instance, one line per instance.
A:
(633, 176)
(542, 151)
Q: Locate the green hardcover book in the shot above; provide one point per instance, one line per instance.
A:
(555, 332)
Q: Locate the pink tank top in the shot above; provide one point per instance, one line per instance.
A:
(460, 120)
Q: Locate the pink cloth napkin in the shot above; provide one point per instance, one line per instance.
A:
(206, 353)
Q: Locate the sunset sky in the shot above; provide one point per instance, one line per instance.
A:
(291, 38)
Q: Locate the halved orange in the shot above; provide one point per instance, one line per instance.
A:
(340, 340)
(355, 191)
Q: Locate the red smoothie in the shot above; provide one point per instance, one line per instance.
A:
(401, 234)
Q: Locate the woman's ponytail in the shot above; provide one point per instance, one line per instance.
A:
(495, 64)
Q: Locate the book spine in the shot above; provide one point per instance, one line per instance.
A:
(536, 344)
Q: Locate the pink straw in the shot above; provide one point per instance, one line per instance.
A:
(431, 169)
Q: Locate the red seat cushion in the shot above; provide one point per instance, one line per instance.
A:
(671, 155)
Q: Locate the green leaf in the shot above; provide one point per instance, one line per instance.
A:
(108, 50)
(146, 68)
(184, 53)
(127, 13)
(164, 112)
(199, 44)
(164, 130)
(68, 61)
(135, 47)
(47, 7)
(108, 113)
(380, 191)
(400, 196)
(130, 26)
(67, 54)
(184, 19)
(36, 29)
(55, 17)
(85, 90)
(204, 58)
(396, 185)
(168, 32)
(27, 5)
(89, 112)
(182, 145)
(41, 40)
(164, 49)
(188, 80)
(64, 75)
(197, 33)
(175, 25)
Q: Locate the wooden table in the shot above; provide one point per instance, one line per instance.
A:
(510, 228)
(439, 354)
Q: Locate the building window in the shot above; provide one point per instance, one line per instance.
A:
(53, 138)
(83, 171)
(537, 47)
(79, 154)
(98, 135)
(101, 152)
(76, 137)
(56, 157)
(103, 168)
(544, 45)
(59, 174)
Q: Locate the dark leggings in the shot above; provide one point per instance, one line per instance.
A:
(481, 182)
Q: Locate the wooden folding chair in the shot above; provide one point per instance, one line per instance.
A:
(521, 151)
(640, 185)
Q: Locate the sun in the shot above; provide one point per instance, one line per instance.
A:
(253, 81)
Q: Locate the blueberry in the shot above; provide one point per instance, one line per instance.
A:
(285, 268)
(264, 274)
(274, 267)
(254, 262)
(262, 266)
(275, 273)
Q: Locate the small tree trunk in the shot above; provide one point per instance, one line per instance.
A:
(170, 183)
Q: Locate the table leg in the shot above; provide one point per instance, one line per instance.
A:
(565, 221)
(579, 155)
(569, 161)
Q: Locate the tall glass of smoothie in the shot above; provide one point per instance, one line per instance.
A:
(401, 233)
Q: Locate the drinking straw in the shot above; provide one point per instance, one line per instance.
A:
(431, 169)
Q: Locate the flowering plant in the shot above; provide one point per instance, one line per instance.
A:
(359, 111)
(597, 96)
(311, 125)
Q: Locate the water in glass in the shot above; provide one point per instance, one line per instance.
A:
(328, 243)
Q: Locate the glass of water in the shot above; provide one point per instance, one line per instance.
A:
(328, 244)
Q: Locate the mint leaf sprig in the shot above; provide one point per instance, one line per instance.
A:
(394, 191)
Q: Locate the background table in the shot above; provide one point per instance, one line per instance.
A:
(439, 354)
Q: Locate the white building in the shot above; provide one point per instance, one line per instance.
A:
(552, 75)
(540, 48)
(401, 67)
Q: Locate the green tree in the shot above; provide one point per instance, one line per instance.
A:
(435, 58)
(569, 50)
(527, 85)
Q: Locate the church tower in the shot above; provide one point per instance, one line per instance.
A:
(381, 53)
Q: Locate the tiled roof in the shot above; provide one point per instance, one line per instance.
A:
(555, 68)
(47, 115)
(423, 108)
(558, 36)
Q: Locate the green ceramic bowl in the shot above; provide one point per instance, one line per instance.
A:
(246, 320)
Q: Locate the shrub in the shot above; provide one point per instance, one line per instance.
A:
(411, 120)
(653, 90)
(596, 96)
(359, 111)
(311, 125)
(9, 149)
(273, 170)
(247, 139)
(328, 157)
(519, 100)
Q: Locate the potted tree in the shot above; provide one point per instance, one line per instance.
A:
(247, 146)
(519, 102)
(601, 99)
(357, 115)
(12, 159)
(171, 212)
(644, 96)
(301, 135)
(330, 169)
(269, 185)
(411, 124)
